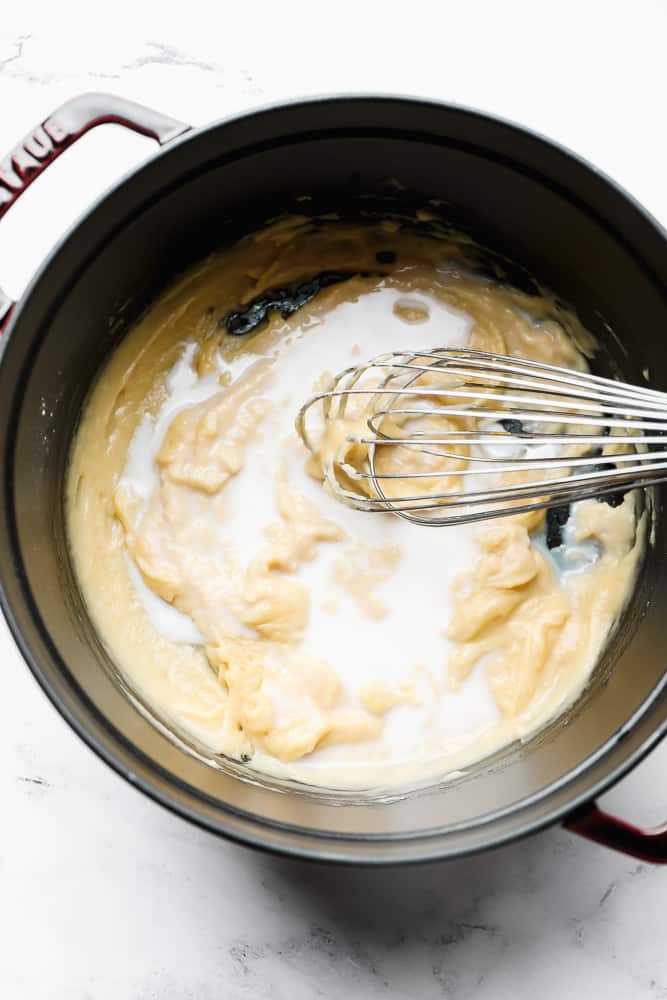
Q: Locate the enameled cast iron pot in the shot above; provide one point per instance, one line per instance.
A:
(541, 206)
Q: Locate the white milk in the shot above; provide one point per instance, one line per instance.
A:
(411, 637)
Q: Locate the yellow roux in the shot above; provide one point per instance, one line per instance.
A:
(534, 635)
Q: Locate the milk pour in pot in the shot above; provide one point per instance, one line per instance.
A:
(382, 643)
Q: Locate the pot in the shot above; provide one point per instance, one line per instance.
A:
(540, 206)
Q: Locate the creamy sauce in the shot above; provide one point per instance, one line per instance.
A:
(259, 614)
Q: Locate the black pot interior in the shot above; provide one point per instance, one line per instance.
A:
(529, 201)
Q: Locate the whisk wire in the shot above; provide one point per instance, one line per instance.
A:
(498, 417)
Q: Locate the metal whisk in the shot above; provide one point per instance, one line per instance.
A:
(473, 435)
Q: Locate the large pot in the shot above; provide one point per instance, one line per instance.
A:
(540, 205)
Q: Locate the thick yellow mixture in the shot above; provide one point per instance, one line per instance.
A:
(248, 684)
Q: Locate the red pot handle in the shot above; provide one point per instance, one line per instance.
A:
(67, 124)
(34, 154)
(593, 823)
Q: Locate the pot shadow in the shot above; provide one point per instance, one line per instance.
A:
(390, 903)
(437, 929)
(496, 924)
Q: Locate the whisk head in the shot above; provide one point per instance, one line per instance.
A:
(447, 436)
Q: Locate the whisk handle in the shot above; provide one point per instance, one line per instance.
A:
(601, 827)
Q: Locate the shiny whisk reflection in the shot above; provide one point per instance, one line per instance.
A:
(443, 437)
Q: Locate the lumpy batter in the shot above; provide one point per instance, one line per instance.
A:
(258, 615)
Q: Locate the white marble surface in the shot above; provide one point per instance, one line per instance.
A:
(103, 895)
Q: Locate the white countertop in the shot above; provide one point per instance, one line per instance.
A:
(104, 895)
